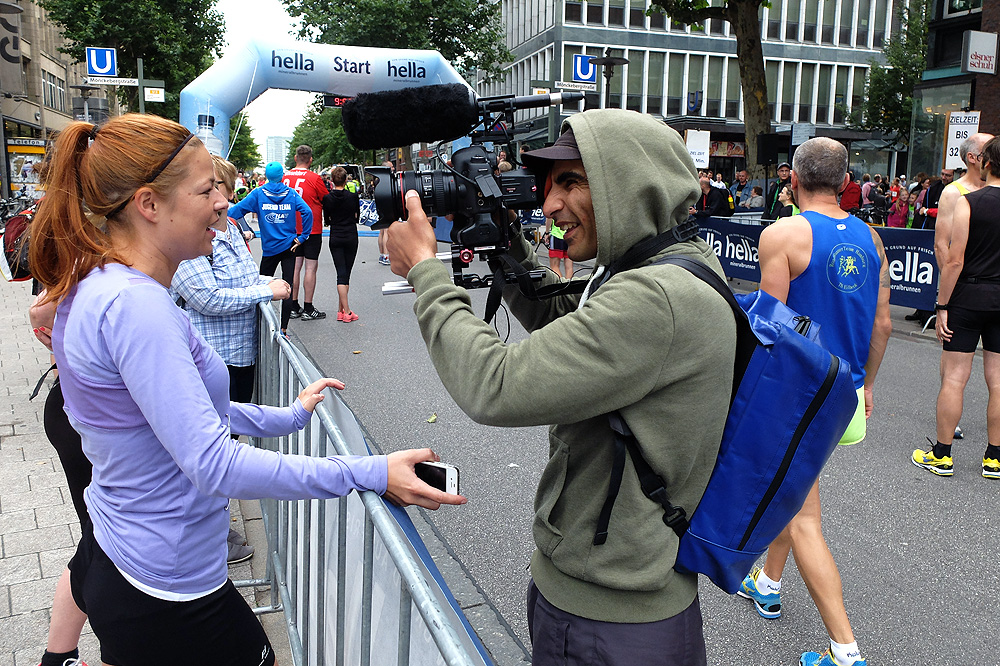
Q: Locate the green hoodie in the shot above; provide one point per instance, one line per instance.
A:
(655, 343)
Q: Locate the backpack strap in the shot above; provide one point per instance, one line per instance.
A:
(634, 256)
(652, 484)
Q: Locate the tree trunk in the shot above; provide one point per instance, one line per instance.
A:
(743, 16)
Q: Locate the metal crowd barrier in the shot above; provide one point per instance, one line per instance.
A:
(348, 573)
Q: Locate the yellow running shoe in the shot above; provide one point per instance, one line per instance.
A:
(991, 468)
(930, 462)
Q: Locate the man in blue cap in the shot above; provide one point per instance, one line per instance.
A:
(275, 205)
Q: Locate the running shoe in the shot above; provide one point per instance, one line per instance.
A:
(350, 316)
(991, 468)
(768, 605)
(342, 316)
(930, 462)
(309, 315)
(73, 662)
(238, 552)
(958, 433)
(383, 259)
(295, 313)
(826, 659)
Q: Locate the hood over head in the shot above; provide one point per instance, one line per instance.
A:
(642, 178)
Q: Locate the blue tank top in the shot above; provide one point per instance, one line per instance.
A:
(839, 288)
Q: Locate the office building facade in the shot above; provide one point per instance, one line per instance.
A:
(816, 57)
(37, 95)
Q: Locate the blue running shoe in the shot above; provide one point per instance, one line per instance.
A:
(768, 605)
(825, 659)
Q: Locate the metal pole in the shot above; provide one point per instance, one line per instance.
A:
(142, 93)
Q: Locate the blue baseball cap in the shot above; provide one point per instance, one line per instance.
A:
(274, 171)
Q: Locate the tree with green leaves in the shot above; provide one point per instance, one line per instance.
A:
(176, 40)
(744, 20)
(322, 130)
(888, 102)
(468, 33)
(245, 153)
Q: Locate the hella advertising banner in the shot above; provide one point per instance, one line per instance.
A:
(910, 253)
(245, 73)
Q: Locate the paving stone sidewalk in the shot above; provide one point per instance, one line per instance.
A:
(39, 529)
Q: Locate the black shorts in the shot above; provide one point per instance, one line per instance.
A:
(136, 629)
(311, 248)
(968, 326)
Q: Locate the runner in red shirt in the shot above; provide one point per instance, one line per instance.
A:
(310, 187)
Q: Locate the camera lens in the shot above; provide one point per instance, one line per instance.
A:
(439, 193)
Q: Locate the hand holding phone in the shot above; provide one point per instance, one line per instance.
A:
(404, 487)
(438, 475)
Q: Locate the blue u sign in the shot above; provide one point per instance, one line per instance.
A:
(101, 62)
(584, 71)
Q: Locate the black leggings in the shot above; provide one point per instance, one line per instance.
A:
(344, 253)
(136, 629)
(66, 442)
(268, 266)
(241, 385)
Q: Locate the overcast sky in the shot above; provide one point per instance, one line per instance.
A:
(276, 112)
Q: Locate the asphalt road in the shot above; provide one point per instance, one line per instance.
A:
(917, 553)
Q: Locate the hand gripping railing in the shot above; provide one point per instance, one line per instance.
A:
(336, 614)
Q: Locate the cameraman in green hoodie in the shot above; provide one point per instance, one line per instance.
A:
(655, 343)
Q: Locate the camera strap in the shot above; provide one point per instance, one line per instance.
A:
(505, 265)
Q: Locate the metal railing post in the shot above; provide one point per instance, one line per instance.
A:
(301, 588)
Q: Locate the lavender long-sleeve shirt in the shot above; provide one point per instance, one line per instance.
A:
(150, 399)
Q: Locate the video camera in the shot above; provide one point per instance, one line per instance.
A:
(470, 189)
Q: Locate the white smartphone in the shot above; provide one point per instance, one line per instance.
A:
(438, 475)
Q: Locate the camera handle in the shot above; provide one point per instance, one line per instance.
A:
(459, 257)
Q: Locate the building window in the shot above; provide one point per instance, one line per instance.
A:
(771, 76)
(574, 11)
(806, 89)
(960, 7)
(637, 14)
(829, 20)
(864, 21)
(840, 95)
(675, 84)
(846, 21)
(733, 90)
(654, 84)
(788, 93)
(823, 94)
(633, 101)
(616, 13)
(53, 92)
(595, 13)
(881, 10)
(811, 19)
(713, 101)
(792, 21)
(695, 102)
(657, 20)
(774, 19)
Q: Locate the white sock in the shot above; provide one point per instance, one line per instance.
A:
(766, 585)
(845, 654)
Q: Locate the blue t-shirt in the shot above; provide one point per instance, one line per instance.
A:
(839, 288)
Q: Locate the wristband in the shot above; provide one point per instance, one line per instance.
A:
(938, 307)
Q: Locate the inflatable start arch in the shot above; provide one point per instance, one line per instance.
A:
(245, 73)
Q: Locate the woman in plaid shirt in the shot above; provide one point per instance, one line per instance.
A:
(220, 294)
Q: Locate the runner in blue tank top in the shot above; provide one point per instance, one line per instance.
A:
(829, 266)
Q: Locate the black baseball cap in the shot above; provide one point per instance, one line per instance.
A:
(564, 148)
(784, 164)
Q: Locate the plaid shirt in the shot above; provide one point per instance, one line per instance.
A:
(220, 296)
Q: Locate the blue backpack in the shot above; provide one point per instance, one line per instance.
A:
(792, 401)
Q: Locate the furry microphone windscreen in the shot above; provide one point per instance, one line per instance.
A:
(396, 118)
